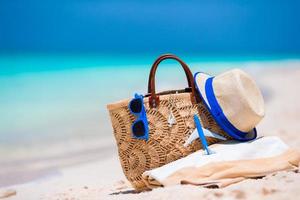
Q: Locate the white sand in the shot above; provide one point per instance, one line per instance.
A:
(103, 179)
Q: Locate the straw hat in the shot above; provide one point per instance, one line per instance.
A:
(234, 100)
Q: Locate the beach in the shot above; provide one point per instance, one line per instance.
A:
(89, 167)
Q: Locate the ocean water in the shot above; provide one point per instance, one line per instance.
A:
(49, 98)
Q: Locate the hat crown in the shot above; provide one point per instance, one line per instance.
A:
(240, 99)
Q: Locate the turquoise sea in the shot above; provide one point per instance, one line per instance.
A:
(48, 97)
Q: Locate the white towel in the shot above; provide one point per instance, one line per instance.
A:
(227, 153)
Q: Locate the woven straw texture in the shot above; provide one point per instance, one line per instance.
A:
(165, 143)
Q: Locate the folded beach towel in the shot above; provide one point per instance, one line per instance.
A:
(232, 162)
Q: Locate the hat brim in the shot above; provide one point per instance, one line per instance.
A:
(200, 79)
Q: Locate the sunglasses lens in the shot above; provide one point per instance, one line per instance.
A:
(138, 129)
(136, 105)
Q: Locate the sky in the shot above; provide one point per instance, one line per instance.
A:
(118, 26)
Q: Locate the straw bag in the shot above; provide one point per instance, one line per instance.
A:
(165, 143)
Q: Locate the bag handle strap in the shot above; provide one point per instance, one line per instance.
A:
(154, 98)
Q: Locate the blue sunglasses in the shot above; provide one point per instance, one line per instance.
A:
(139, 128)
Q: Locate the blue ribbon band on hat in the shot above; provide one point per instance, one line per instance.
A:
(216, 109)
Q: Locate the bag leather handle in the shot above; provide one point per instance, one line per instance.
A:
(154, 98)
